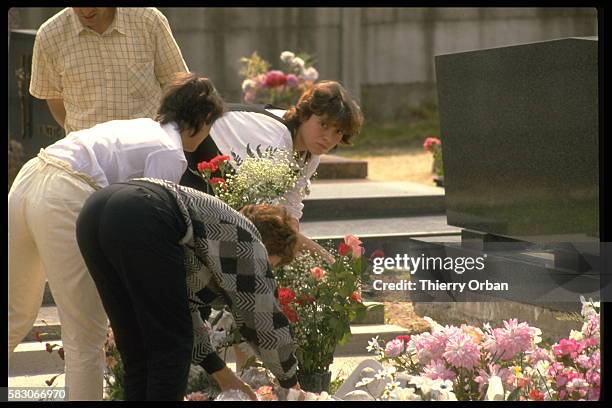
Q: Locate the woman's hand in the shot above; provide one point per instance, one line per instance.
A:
(228, 380)
(305, 243)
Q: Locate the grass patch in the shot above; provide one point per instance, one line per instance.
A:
(405, 134)
(336, 383)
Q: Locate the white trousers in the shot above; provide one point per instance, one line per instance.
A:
(44, 203)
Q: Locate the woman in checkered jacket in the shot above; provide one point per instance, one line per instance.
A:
(158, 253)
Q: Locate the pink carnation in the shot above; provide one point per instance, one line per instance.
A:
(394, 348)
(292, 81)
(355, 244)
(583, 361)
(567, 347)
(595, 359)
(430, 142)
(461, 351)
(438, 370)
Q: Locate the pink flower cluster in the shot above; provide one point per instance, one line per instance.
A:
(430, 143)
(469, 357)
(351, 244)
(576, 371)
(275, 80)
(505, 343)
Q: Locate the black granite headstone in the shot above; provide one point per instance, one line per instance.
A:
(519, 131)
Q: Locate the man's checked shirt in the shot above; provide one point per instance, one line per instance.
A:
(100, 77)
(224, 257)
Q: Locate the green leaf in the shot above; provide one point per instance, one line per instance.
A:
(514, 394)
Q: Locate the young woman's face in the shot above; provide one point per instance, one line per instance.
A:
(318, 135)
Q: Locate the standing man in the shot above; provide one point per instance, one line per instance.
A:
(95, 64)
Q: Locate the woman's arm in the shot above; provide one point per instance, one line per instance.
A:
(305, 243)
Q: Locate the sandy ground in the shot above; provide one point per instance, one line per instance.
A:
(399, 165)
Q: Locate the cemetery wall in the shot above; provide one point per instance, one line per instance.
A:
(380, 54)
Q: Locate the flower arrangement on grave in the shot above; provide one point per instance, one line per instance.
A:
(262, 177)
(503, 363)
(434, 146)
(320, 300)
(281, 88)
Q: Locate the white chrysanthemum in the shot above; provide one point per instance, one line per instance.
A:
(248, 84)
(287, 57)
(298, 62)
(310, 74)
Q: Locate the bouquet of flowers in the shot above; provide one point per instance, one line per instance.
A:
(320, 300)
(434, 146)
(505, 363)
(277, 87)
(263, 177)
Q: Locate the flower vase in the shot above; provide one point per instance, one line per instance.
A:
(314, 382)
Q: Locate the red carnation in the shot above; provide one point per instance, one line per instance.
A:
(275, 78)
(203, 166)
(356, 296)
(536, 395)
(285, 296)
(217, 160)
(405, 339)
(344, 249)
(38, 336)
(216, 180)
(49, 347)
(60, 351)
(291, 314)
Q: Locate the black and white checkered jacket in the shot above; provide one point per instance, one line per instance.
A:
(224, 257)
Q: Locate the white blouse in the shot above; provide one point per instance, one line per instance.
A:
(237, 129)
(119, 150)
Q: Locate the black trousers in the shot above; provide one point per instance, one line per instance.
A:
(129, 236)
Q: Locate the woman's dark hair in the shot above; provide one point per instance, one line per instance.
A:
(190, 100)
(330, 99)
(276, 229)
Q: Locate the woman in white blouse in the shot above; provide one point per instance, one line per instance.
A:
(324, 117)
(48, 194)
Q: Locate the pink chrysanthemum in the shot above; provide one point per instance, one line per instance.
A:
(461, 351)
(438, 370)
(513, 338)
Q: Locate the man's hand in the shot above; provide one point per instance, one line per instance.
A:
(228, 380)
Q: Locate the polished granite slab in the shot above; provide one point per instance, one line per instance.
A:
(519, 130)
